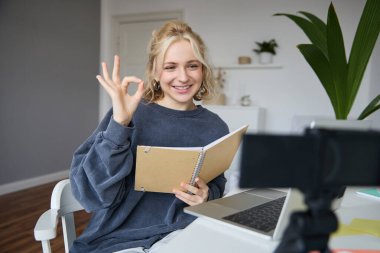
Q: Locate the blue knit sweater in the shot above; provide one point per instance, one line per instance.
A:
(102, 177)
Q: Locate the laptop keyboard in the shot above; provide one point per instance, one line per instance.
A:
(262, 217)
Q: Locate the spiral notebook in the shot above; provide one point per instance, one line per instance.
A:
(161, 169)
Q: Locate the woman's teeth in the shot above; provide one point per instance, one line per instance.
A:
(182, 87)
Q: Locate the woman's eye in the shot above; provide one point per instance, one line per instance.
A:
(169, 67)
(193, 66)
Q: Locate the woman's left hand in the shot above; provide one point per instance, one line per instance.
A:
(199, 192)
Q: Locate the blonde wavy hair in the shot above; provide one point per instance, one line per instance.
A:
(171, 32)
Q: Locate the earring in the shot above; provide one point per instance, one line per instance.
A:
(156, 85)
(201, 91)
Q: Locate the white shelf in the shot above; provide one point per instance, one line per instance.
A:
(250, 66)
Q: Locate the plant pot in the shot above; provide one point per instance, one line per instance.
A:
(265, 58)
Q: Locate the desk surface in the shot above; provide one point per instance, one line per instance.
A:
(204, 234)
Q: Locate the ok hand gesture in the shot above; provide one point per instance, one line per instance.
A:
(124, 105)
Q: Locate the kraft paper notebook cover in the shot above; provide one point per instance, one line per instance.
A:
(161, 169)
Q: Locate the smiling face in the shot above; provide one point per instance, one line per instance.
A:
(180, 76)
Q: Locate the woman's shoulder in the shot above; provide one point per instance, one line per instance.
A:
(213, 116)
(215, 122)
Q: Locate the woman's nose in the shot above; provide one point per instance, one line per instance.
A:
(182, 75)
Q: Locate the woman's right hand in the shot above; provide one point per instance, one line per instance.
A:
(124, 105)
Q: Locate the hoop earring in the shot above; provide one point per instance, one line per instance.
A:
(201, 92)
(156, 85)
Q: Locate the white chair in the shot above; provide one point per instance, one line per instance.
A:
(62, 205)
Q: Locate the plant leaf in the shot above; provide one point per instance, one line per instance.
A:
(315, 20)
(362, 47)
(321, 66)
(371, 107)
(337, 59)
(315, 35)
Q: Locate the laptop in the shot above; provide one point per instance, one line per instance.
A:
(261, 212)
(264, 212)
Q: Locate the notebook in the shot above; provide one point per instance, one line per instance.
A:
(236, 211)
(161, 169)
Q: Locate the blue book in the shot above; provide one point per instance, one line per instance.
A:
(372, 193)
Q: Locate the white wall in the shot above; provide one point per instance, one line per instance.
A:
(230, 29)
(48, 99)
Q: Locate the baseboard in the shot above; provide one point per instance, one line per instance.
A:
(31, 182)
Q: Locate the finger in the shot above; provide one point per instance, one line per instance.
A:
(187, 198)
(116, 69)
(105, 85)
(202, 185)
(189, 202)
(190, 188)
(105, 71)
(129, 79)
(140, 89)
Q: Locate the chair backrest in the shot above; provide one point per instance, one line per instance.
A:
(63, 200)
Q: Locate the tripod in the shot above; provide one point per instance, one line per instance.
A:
(310, 230)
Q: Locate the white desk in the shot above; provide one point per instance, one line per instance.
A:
(205, 235)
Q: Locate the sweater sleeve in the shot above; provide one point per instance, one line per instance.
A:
(216, 187)
(101, 164)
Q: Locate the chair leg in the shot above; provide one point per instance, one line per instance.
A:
(46, 248)
(69, 233)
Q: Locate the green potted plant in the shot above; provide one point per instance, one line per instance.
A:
(266, 50)
(341, 78)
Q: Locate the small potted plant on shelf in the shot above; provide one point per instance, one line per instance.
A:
(266, 50)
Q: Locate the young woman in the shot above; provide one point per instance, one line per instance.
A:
(162, 114)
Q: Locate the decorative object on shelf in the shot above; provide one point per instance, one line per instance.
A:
(266, 51)
(327, 56)
(245, 100)
(244, 60)
(219, 97)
